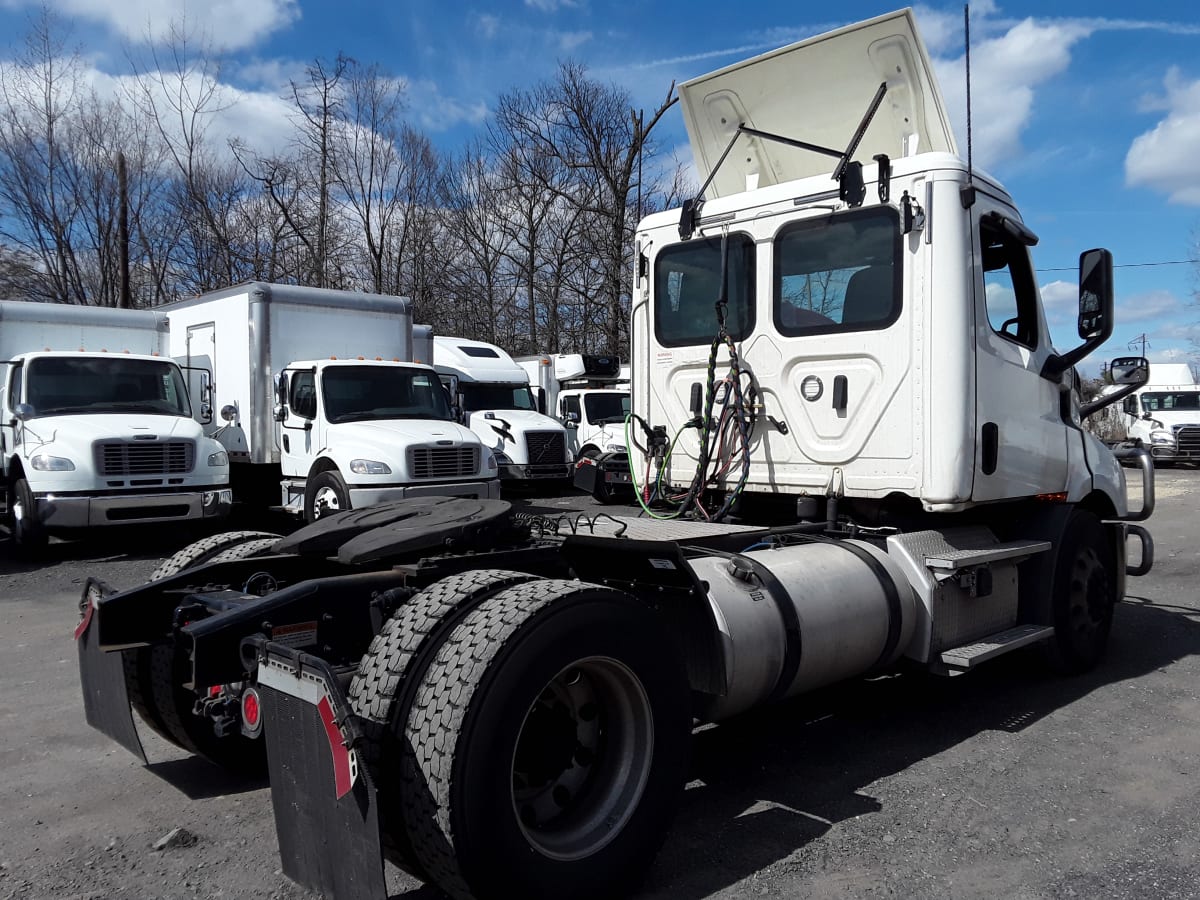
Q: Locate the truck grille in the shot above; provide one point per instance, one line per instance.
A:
(1188, 437)
(144, 457)
(546, 447)
(443, 462)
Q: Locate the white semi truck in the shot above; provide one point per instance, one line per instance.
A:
(589, 395)
(320, 407)
(96, 424)
(816, 357)
(1163, 415)
(494, 393)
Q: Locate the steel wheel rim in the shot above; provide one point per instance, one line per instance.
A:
(570, 805)
(1088, 606)
(325, 500)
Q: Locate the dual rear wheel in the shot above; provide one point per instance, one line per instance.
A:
(534, 727)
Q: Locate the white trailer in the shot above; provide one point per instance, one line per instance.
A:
(494, 393)
(319, 402)
(96, 424)
(589, 395)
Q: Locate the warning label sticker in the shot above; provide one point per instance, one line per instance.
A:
(299, 634)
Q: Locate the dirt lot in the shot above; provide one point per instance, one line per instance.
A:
(1008, 782)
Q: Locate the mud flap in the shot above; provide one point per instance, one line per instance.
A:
(102, 677)
(326, 810)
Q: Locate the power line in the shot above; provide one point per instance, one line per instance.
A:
(1172, 262)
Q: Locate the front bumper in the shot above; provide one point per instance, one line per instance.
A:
(371, 496)
(78, 511)
(514, 472)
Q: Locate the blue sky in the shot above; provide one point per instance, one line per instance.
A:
(1089, 113)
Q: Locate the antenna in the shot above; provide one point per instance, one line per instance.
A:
(967, 195)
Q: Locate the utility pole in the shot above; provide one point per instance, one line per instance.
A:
(1140, 339)
(124, 300)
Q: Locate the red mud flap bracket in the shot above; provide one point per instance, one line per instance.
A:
(102, 676)
(326, 811)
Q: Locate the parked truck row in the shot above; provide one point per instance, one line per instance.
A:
(858, 461)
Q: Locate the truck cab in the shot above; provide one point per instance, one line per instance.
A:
(93, 439)
(1165, 418)
(589, 395)
(355, 433)
(499, 406)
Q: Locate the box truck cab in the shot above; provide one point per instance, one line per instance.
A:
(354, 433)
(499, 406)
(319, 404)
(589, 395)
(96, 426)
(1165, 418)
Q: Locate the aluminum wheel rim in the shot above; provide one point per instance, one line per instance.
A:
(571, 801)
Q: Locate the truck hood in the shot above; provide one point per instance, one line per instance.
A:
(80, 431)
(392, 436)
(817, 91)
(519, 421)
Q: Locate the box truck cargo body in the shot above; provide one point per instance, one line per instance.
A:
(318, 401)
(97, 424)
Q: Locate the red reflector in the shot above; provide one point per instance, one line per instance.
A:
(1058, 497)
(250, 709)
(214, 690)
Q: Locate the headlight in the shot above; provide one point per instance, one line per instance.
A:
(220, 458)
(615, 448)
(369, 467)
(489, 462)
(1162, 437)
(502, 458)
(44, 463)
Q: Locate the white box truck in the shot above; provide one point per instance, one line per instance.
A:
(495, 396)
(319, 402)
(589, 395)
(96, 425)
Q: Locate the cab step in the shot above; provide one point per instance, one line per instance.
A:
(953, 560)
(962, 659)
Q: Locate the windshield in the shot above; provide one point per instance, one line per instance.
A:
(496, 396)
(356, 393)
(609, 406)
(1165, 401)
(59, 385)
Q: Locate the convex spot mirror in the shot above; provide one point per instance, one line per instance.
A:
(1129, 370)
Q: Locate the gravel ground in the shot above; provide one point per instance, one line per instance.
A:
(1009, 782)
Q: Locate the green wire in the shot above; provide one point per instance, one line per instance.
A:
(637, 491)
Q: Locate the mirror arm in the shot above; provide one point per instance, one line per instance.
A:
(1100, 402)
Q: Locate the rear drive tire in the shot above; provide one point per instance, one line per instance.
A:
(388, 675)
(154, 675)
(548, 740)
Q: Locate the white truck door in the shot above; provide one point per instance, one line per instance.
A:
(1020, 435)
(300, 434)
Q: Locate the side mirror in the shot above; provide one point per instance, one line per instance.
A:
(571, 419)
(541, 400)
(23, 411)
(1128, 373)
(1095, 320)
(281, 388)
(280, 413)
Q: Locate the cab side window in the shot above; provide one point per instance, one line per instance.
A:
(1010, 291)
(304, 394)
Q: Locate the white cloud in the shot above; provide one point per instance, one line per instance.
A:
(228, 24)
(569, 40)
(1164, 158)
(1005, 71)
(1060, 300)
(487, 25)
(549, 6)
(434, 111)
